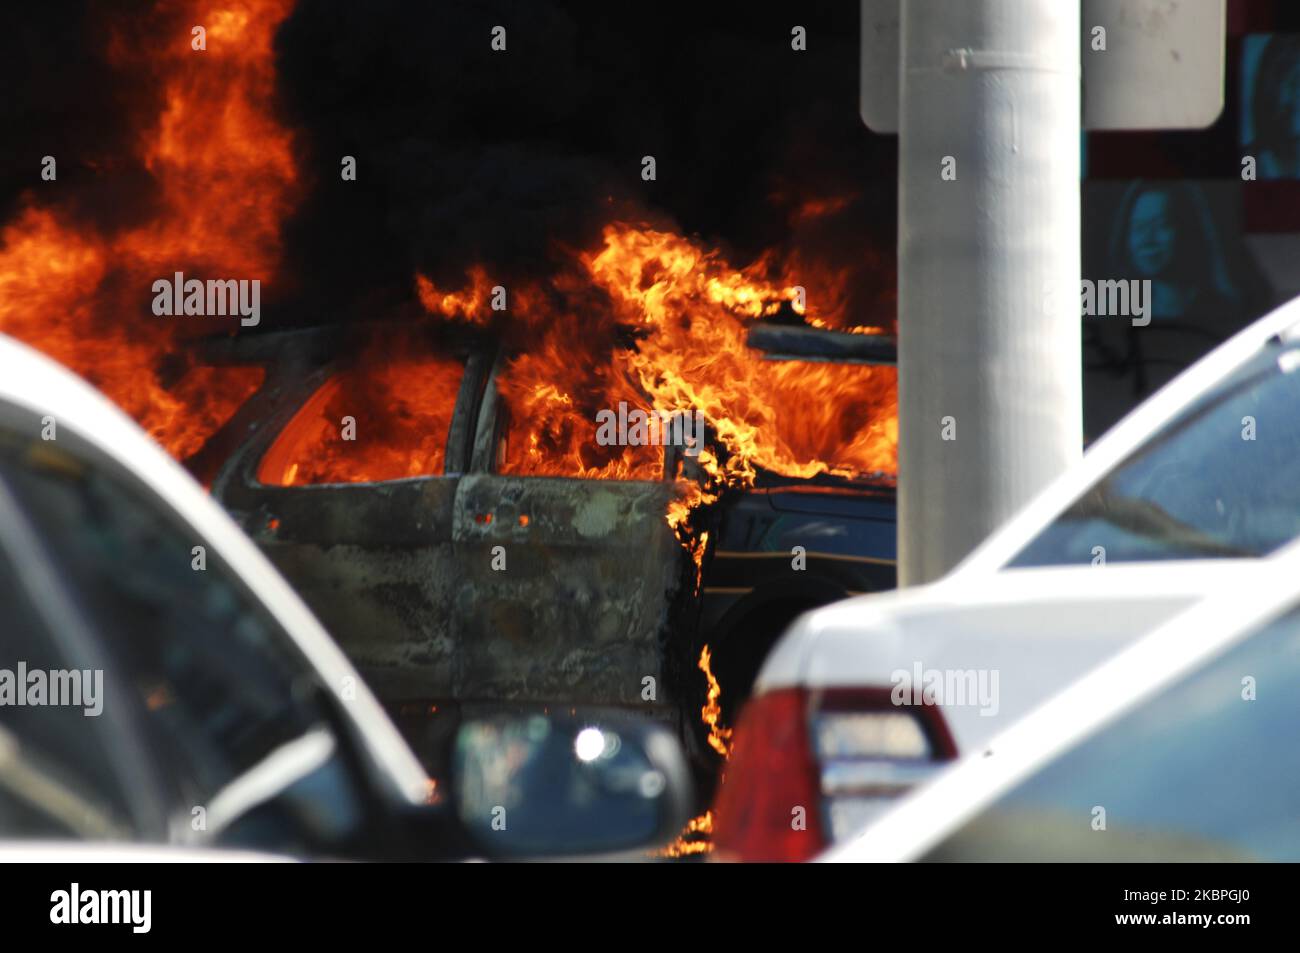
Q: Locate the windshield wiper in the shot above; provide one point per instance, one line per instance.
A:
(1151, 521)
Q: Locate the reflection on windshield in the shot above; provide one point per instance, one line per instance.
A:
(1223, 480)
(1205, 771)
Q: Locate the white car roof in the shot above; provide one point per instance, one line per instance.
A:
(1126, 436)
(32, 381)
(1237, 608)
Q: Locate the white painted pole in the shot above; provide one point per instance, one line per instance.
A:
(990, 404)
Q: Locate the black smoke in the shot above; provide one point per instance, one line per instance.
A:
(468, 155)
(64, 97)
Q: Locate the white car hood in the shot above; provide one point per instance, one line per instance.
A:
(1025, 633)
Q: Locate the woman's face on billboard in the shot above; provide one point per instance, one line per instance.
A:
(1151, 234)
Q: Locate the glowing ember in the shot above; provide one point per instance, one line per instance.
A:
(224, 177)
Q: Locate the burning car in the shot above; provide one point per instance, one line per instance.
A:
(467, 560)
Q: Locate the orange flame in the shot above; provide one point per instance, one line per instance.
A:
(470, 304)
(657, 322)
(686, 313)
(694, 838)
(399, 412)
(224, 176)
(711, 713)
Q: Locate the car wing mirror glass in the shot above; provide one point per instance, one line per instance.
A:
(539, 785)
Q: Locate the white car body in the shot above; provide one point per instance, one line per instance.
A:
(1142, 671)
(1030, 630)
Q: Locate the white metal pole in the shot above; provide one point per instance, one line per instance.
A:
(990, 405)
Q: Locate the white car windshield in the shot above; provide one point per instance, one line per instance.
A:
(1221, 480)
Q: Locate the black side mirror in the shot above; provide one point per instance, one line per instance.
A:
(538, 786)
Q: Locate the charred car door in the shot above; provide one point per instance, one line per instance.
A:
(575, 590)
(368, 547)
